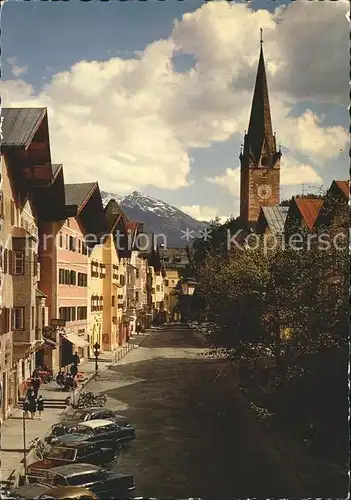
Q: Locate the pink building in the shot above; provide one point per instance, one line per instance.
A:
(64, 257)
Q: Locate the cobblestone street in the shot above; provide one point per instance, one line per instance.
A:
(194, 436)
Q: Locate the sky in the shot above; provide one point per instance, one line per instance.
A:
(155, 96)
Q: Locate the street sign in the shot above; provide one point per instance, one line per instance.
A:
(58, 322)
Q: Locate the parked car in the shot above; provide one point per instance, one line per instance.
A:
(86, 414)
(104, 483)
(74, 451)
(47, 492)
(106, 433)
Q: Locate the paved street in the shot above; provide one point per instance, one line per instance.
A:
(194, 436)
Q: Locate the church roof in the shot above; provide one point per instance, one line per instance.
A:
(260, 125)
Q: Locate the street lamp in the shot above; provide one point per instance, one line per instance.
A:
(96, 348)
(188, 286)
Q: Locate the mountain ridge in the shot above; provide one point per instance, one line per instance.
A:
(158, 217)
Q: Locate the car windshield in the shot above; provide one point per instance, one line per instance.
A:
(79, 415)
(81, 430)
(62, 453)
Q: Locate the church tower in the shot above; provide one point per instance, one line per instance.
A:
(259, 159)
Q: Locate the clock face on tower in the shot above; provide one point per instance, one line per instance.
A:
(264, 191)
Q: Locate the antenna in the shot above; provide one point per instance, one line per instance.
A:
(261, 36)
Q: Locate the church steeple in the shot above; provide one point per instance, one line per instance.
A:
(259, 140)
(259, 157)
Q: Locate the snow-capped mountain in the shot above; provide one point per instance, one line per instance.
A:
(158, 217)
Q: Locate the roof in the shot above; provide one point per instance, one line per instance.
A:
(275, 217)
(260, 125)
(344, 187)
(93, 424)
(19, 125)
(76, 194)
(309, 209)
(74, 469)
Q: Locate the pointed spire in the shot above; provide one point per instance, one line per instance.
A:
(260, 132)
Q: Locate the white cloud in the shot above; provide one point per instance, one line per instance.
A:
(131, 122)
(229, 180)
(203, 213)
(16, 70)
(295, 173)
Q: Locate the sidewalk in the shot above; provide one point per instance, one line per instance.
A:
(12, 440)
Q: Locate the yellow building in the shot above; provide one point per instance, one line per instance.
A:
(97, 277)
(113, 296)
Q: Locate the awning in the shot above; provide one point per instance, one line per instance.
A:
(49, 342)
(76, 340)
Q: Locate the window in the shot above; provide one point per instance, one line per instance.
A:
(82, 313)
(166, 282)
(137, 273)
(94, 269)
(67, 313)
(82, 279)
(33, 317)
(72, 278)
(115, 272)
(102, 270)
(61, 277)
(101, 302)
(122, 280)
(264, 174)
(61, 240)
(157, 288)
(67, 223)
(113, 301)
(18, 318)
(18, 262)
(264, 161)
(72, 244)
(84, 248)
(137, 296)
(67, 242)
(79, 246)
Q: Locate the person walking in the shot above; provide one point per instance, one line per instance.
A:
(36, 385)
(75, 359)
(40, 406)
(26, 407)
(32, 407)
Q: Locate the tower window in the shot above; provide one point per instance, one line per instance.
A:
(264, 174)
(264, 161)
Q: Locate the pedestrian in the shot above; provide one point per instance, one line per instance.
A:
(75, 359)
(40, 406)
(26, 407)
(60, 379)
(36, 385)
(32, 407)
(74, 370)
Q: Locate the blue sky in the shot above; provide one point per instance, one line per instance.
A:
(166, 112)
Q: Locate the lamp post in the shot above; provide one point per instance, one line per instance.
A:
(24, 444)
(96, 348)
(188, 286)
